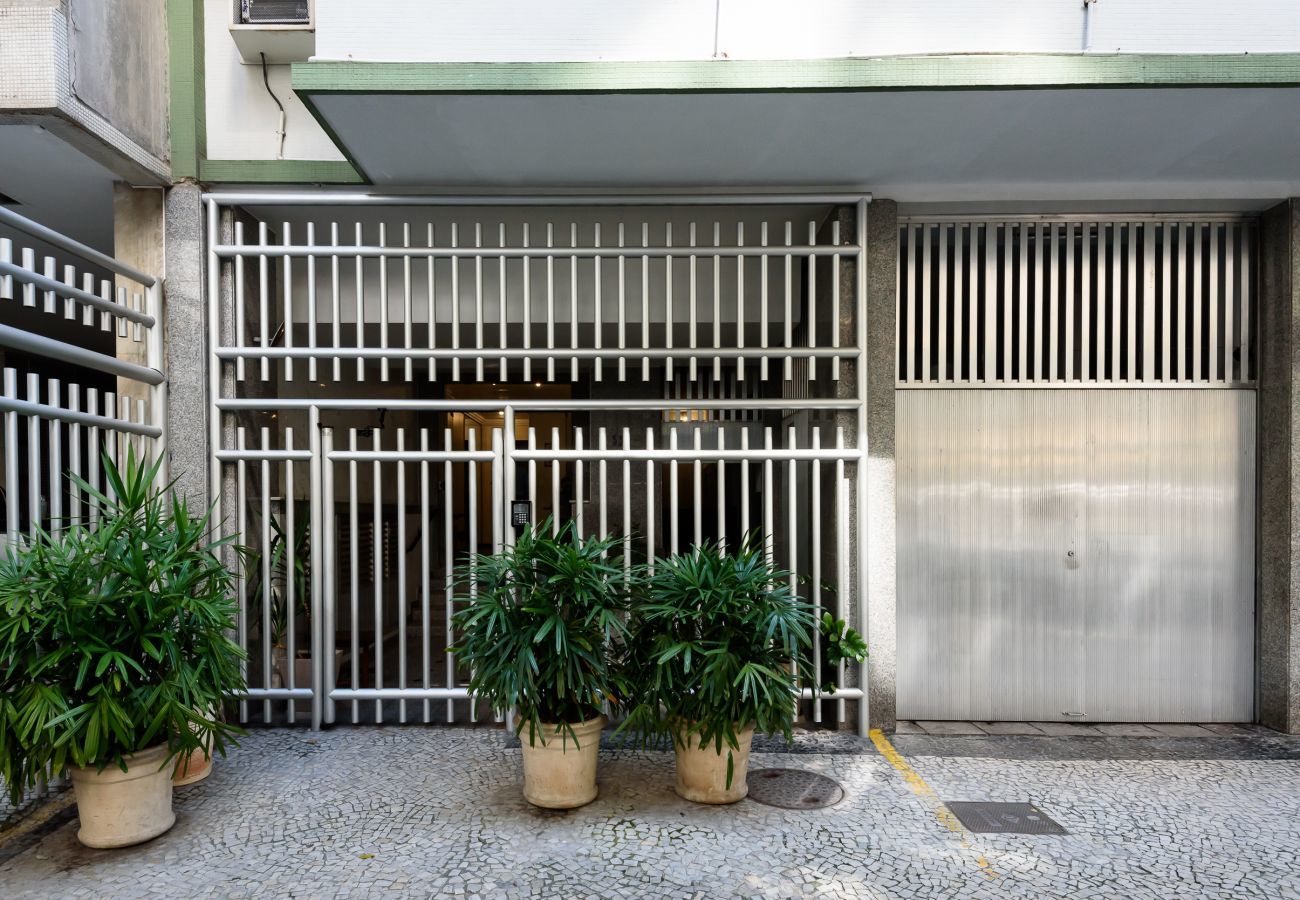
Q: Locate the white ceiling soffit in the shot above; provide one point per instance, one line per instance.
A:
(914, 146)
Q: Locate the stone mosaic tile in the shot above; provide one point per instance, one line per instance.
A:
(418, 812)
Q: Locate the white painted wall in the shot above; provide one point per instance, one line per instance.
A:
(511, 30)
(242, 119)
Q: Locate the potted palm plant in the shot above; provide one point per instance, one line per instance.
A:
(536, 632)
(114, 655)
(717, 648)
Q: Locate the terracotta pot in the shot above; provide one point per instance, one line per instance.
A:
(559, 768)
(118, 809)
(702, 771)
(194, 766)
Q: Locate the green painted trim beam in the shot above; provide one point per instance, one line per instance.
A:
(916, 73)
(187, 99)
(279, 171)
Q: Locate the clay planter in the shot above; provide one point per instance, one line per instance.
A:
(559, 773)
(702, 771)
(118, 809)
(197, 764)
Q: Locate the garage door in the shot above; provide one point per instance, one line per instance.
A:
(1076, 471)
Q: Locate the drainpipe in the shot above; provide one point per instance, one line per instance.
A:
(1087, 25)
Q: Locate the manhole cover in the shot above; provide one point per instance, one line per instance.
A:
(793, 789)
(1004, 818)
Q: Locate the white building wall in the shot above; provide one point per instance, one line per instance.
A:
(508, 30)
(242, 119)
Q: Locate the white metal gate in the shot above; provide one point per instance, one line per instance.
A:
(668, 369)
(1076, 475)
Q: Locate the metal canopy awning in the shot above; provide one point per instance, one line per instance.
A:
(953, 130)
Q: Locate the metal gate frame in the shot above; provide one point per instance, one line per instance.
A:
(323, 694)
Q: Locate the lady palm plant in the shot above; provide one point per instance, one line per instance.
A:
(538, 624)
(113, 636)
(718, 642)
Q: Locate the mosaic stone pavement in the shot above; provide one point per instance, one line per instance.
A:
(438, 812)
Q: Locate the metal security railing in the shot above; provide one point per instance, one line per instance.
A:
(665, 369)
(73, 322)
(1064, 300)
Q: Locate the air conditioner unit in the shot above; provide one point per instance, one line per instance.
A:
(275, 12)
(274, 31)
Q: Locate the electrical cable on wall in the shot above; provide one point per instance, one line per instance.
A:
(266, 80)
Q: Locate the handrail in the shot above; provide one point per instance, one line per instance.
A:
(90, 254)
(17, 339)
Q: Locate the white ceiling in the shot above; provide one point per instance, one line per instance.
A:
(57, 185)
(1078, 146)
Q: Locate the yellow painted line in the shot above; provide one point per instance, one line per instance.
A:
(923, 790)
(37, 818)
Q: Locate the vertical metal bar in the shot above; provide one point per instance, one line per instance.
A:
(1184, 331)
(815, 495)
(693, 311)
(579, 489)
(622, 303)
(291, 601)
(1247, 301)
(556, 467)
(449, 584)
(265, 471)
(528, 306)
(354, 567)
(645, 304)
(312, 313)
(1116, 299)
(627, 505)
(1212, 308)
(744, 487)
(426, 576)
(923, 297)
(503, 313)
(742, 308)
(359, 274)
(471, 443)
(1008, 310)
(11, 457)
(288, 322)
(1229, 299)
(835, 297)
(240, 304)
(602, 475)
(1198, 373)
(263, 302)
(241, 501)
(1040, 330)
(841, 554)
(650, 500)
(377, 561)
(34, 456)
(383, 301)
(769, 490)
(698, 478)
(1085, 302)
(50, 271)
(70, 306)
(431, 289)
(550, 302)
(717, 303)
(336, 306)
(1054, 306)
(722, 489)
(400, 552)
(669, 314)
(318, 618)
(6, 281)
(1069, 301)
(329, 572)
(1166, 261)
(1134, 238)
(943, 323)
(792, 509)
(532, 472)
(673, 500)
(1039, 326)
(94, 453)
(408, 312)
(990, 301)
(74, 457)
(55, 430)
(598, 304)
(1102, 346)
(478, 300)
(1148, 302)
(763, 308)
(455, 301)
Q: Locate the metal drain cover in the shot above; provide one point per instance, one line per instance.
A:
(793, 789)
(1004, 818)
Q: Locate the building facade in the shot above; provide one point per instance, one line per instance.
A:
(980, 318)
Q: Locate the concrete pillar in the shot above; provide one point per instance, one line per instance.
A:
(138, 242)
(1278, 546)
(882, 288)
(185, 317)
